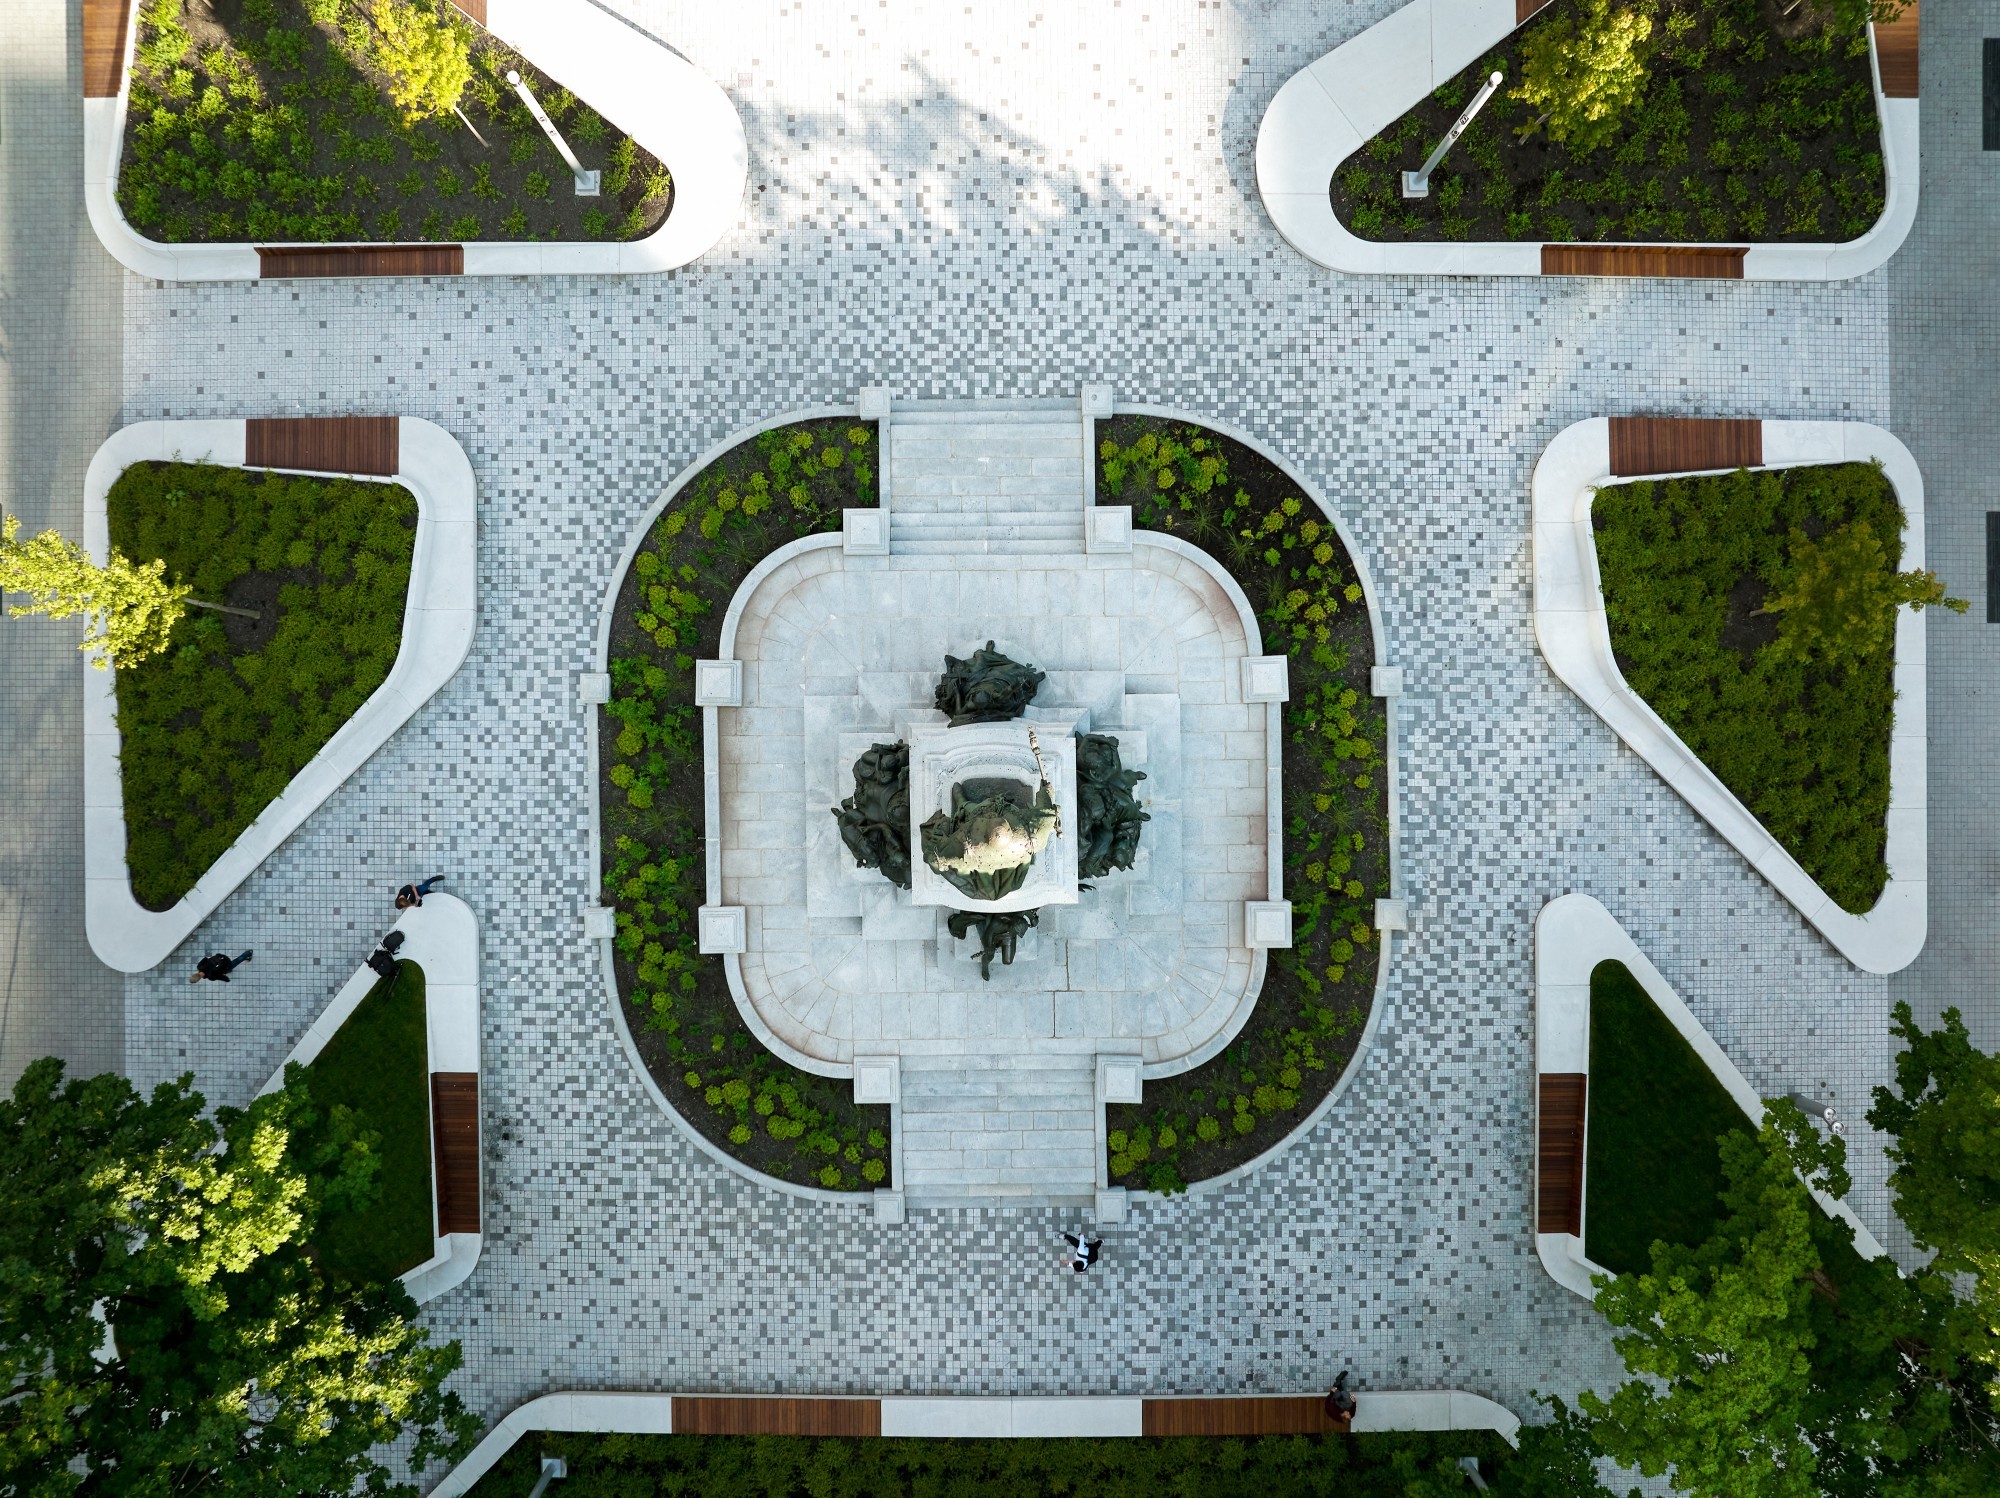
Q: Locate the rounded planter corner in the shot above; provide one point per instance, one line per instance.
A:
(1575, 639)
(439, 620)
(675, 111)
(1327, 111)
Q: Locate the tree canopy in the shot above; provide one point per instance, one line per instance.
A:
(1838, 600)
(164, 1328)
(131, 607)
(1584, 72)
(426, 51)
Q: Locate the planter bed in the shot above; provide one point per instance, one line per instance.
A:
(1653, 1169)
(1685, 565)
(254, 121)
(726, 517)
(1318, 995)
(1741, 134)
(217, 726)
(377, 1064)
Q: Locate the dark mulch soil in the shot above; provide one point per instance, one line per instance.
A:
(278, 132)
(1743, 134)
(1335, 1015)
(699, 1028)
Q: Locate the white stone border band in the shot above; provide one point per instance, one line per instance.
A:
(441, 936)
(664, 102)
(1575, 638)
(1573, 934)
(1325, 113)
(993, 1417)
(438, 621)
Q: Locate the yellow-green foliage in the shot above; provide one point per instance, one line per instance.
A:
(1801, 739)
(1584, 73)
(425, 48)
(131, 608)
(211, 734)
(1838, 598)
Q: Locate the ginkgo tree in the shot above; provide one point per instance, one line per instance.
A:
(130, 606)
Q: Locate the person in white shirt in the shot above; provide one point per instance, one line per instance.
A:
(1083, 1252)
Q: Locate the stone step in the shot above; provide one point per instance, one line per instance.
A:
(1019, 1130)
(947, 1199)
(1000, 527)
(990, 546)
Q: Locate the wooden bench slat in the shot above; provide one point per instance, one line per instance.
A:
(104, 23)
(324, 444)
(723, 1416)
(455, 1145)
(1302, 1415)
(295, 262)
(1559, 1147)
(1896, 55)
(1697, 262)
(1683, 444)
(473, 10)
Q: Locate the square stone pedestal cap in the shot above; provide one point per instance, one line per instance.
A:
(878, 1079)
(1386, 681)
(864, 533)
(889, 1206)
(1267, 923)
(1120, 1079)
(1267, 678)
(1392, 915)
(1110, 1207)
(599, 922)
(1097, 400)
(593, 686)
(872, 403)
(1109, 530)
(720, 928)
(718, 683)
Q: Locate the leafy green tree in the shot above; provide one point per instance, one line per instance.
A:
(131, 607)
(1584, 72)
(1838, 600)
(163, 1326)
(426, 49)
(1556, 1459)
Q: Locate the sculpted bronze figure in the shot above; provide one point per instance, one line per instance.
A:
(875, 821)
(1000, 931)
(1109, 813)
(985, 847)
(985, 687)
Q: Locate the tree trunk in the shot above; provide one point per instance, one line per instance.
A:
(222, 608)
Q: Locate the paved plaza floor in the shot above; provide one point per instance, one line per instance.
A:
(956, 202)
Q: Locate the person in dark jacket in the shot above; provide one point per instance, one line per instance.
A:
(217, 967)
(1083, 1252)
(413, 894)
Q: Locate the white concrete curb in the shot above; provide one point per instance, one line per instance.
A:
(1003, 1417)
(1327, 112)
(1575, 638)
(661, 100)
(1573, 934)
(438, 622)
(441, 936)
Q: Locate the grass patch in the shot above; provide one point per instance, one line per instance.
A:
(783, 484)
(1240, 508)
(378, 1064)
(1742, 133)
(268, 120)
(214, 729)
(1366, 1466)
(1686, 563)
(1653, 1169)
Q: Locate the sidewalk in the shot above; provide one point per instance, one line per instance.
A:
(61, 303)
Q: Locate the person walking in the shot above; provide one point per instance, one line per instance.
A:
(1083, 1252)
(1340, 1403)
(413, 894)
(217, 967)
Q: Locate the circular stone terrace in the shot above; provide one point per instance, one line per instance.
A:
(1141, 638)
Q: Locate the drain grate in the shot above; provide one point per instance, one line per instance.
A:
(1990, 96)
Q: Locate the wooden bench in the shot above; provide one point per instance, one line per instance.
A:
(302, 262)
(777, 1417)
(1303, 1415)
(1683, 444)
(1896, 56)
(1688, 262)
(1559, 1152)
(323, 444)
(104, 23)
(455, 1149)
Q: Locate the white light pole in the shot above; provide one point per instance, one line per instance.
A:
(1417, 184)
(586, 182)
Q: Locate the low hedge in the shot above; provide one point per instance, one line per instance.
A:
(786, 483)
(1235, 504)
(214, 729)
(1653, 1168)
(378, 1064)
(1686, 564)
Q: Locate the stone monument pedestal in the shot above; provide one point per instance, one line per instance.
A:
(942, 757)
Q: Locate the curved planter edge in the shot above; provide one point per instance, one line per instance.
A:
(441, 936)
(1575, 639)
(1573, 934)
(658, 97)
(439, 617)
(1327, 111)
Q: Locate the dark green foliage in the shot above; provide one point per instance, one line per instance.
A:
(1741, 135)
(377, 1064)
(277, 124)
(1218, 495)
(1803, 744)
(212, 730)
(786, 483)
(1371, 1466)
(1654, 1170)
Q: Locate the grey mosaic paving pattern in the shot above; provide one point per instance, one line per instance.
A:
(954, 205)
